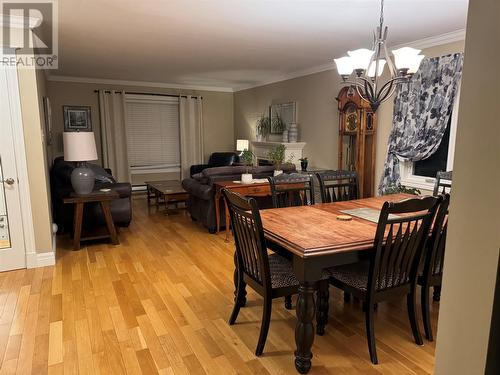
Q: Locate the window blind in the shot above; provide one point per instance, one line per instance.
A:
(153, 132)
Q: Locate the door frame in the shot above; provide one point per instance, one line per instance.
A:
(21, 166)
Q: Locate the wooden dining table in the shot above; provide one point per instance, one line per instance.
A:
(315, 239)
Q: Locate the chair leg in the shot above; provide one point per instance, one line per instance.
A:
(436, 296)
(322, 307)
(239, 301)
(264, 328)
(412, 314)
(288, 302)
(426, 316)
(370, 332)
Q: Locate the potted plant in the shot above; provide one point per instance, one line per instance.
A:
(263, 128)
(247, 159)
(303, 164)
(277, 156)
(397, 189)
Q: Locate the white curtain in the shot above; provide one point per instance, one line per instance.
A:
(113, 133)
(191, 132)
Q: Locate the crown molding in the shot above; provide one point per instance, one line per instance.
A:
(454, 36)
(105, 81)
(433, 41)
(285, 77)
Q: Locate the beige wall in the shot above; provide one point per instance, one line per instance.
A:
(217, 111)
(317, 112)
(31, 90)
(473, 242)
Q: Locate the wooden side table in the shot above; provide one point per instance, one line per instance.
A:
(255, 190)
(79, 201)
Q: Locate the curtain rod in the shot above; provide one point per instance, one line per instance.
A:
(151, 93)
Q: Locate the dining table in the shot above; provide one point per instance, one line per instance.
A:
(315, 238)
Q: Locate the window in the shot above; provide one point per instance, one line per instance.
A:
(153, 133)
(421, 174)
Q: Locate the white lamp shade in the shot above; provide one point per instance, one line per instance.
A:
(79, 146)
(415, 64)
(242, 144)
(360, 58)
(344, 66)
(371, 69)
(406, 57)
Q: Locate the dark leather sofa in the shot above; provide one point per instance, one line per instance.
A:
(201, 204)
(60, 185)
(217, 159)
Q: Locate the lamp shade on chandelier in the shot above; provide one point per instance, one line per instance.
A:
(368, 66)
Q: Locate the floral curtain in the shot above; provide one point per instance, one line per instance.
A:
(422, 108)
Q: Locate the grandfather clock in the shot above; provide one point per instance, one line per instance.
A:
(357, 129)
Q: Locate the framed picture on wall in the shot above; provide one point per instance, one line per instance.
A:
(287, 112)
(77, 118)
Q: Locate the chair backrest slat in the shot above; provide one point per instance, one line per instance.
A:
(292, 189)
(399, 242)
(441, 183)
(338, 186)
(249, 238)
(433, 265)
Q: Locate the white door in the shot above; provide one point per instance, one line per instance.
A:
(12, 247)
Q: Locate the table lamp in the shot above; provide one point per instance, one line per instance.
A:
(80, 147)
(242, 145)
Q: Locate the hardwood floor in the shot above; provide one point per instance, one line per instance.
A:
(159, 303)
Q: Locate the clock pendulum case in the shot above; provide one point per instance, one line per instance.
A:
(357, 131)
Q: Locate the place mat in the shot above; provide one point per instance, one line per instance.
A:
(254, 181)
(365, 213)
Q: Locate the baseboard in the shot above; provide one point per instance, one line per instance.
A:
(34, 260)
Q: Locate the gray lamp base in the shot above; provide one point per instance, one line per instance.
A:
(82, 179)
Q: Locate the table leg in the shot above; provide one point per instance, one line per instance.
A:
(109, 222)
(77, 225)
(304, 330)
(217, 211)
(148, 192)
(226, 214)
(322, 296)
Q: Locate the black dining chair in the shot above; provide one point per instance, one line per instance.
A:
(442, 184)
(392, 268)
(432, 274)
(271, 276)
(338, 185)
(292, 189)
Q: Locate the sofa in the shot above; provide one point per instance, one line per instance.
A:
(200, 187)
(60, 186)
(217, 159)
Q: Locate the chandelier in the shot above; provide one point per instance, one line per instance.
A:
(368, 66)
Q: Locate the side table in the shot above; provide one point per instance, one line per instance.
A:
(79, 201)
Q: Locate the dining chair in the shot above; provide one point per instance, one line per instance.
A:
(292, 189)
(392, 268)
(439, 184)
(338, 185)
(432, 273)
(271, 276)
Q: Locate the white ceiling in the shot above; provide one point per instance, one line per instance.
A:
(231, 43)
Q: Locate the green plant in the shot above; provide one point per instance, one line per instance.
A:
(397, 189)
(246, 158)
(277, 123)
(277, 156)
(263, 126)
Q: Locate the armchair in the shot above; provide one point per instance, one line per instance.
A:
(217, 159)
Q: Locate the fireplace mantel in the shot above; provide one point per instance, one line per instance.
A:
(261, 150)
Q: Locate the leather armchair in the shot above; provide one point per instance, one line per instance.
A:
(217, 159)
(60, 186)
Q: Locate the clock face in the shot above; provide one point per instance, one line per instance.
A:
(351, 119)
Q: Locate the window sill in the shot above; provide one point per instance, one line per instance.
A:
(418, 182)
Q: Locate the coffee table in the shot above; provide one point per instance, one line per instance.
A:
(169, 191)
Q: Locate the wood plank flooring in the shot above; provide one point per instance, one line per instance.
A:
(159, 303)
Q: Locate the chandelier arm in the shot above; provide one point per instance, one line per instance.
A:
(369, 90)
(390, 94)
(361, 95)
(384, 92)
(392, 68)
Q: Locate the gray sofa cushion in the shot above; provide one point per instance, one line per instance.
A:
(222, 171)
